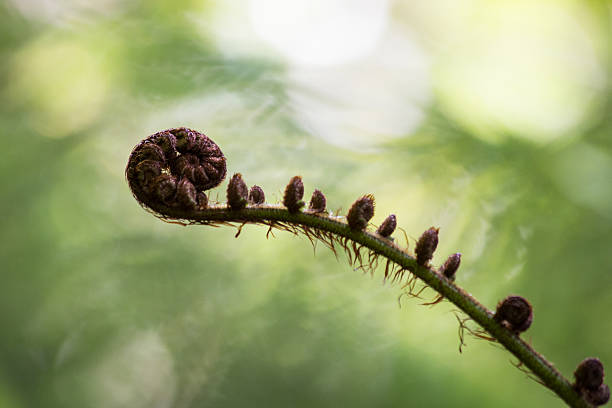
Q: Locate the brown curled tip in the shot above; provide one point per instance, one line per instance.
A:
(317, 201)
(361, 212)
(237, 192)
(589, 374)
(165, 188)
(186, 194)
(256, 195)
(387, 227)
(170, 169)
(292, 199)
(597, 397)
(450, 266)
(426, 246)
(515, 313)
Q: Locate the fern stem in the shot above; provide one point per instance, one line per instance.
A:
(169, 171)
(267, 214)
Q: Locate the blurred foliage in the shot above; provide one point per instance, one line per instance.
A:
(102, 305)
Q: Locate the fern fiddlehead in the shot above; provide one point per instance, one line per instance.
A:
(169, 172)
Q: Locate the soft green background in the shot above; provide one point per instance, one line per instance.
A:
(103, 305)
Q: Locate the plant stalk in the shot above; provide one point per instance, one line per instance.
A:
(269, 214)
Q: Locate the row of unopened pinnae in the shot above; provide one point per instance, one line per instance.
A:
(170, 170)
(514, 312)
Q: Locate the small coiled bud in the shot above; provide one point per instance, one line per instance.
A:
(237, 192)
(145, 173)
(159, 164)
(515, 313)
(589, 374)
(165, 187)
(151, 151)
(317, 201)
(597, 397)
(166, 141)
(387, 227)
(256, 195)
(188, 166)
(185, 139)
(450, 266)
(186, 194)
(292, 199)
(426, 246)
(361, 212)
(202, 200)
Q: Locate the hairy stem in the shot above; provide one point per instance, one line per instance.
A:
(268, 215)
(169, 171)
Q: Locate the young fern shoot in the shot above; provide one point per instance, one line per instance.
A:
(169, 172)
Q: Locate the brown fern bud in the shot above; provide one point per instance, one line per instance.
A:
(151, 151)
(186, 194)
(166, 141)
(165, 187)
(237, 192)
(426, 246)
(293, 194)
(317, 201)
(450, 266)
(202, 200)
(361, 212)
(145, 173)
(185, 139)
(176, 154)
(188, 166)
(387, 227)
(256, 195)
(597, 397)
(515, 313)
(589, 374)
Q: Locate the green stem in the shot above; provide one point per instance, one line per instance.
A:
(267, 214)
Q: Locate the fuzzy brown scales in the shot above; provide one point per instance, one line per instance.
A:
(387, 227)
(426, 246)
(237, 192)
(257, 195)
(589, 377)
(515, 313)
(317, 202)
(361, 212)
(451, 265)
(294, 192)
(171, 169)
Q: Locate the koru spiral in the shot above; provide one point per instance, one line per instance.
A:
(169, 172)
(171, 169)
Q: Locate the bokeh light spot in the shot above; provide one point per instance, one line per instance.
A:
(513, 71)
(320, 32)
(64, 84)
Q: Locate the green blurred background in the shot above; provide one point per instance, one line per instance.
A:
(491, 120)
